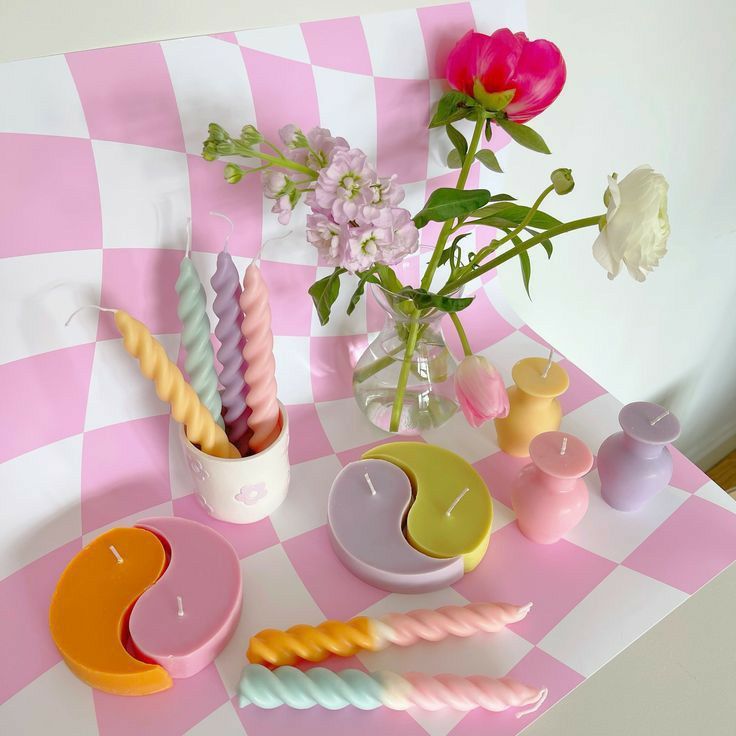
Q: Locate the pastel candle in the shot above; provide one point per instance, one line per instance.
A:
(635, 464)
(365, 510)
(171, 387)
(533, 404)
(295, 688)
(260, 372)
(184, 621)
(226, 283)
(195, 335)
(452, 510)
(344, 639)
(90, 606)
(549, 495)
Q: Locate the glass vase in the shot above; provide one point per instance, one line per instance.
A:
(428, 400)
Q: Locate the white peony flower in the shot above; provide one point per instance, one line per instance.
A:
(637, 226)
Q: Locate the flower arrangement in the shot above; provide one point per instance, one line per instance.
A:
(359, 228)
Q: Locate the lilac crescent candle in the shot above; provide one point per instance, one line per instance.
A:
(635, 464)
(549, 495)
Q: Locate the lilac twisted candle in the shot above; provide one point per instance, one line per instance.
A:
(260, 372)
(226, 283)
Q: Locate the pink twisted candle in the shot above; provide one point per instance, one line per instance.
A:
(226, 284)
(260, 366)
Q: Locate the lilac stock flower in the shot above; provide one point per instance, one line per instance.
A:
(313, 149)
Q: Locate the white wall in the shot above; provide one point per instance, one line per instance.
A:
(647, 82)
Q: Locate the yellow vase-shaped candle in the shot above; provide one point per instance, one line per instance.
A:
(533, 404)
(171, 387)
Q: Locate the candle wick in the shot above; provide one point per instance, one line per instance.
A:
(563, 449)
(536, 704)
(659, 418)
(232, 228)
(370, 484)
(188, 249)
(117, 555)
(456, 501)
(545, 373)
(179, 606)
(87, 306)
(257, 256)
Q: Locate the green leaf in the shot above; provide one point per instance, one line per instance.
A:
(388, 278)
(458, 140)
(324, 293)
(489, 160)
(546, 244)
(451, 250)
(453, 159)
(524, 135)
(451, 107)
(363, 279)
(513, 213)
(424, 299)
(494, 101)
(446, 204)
(526, 270)
(501, 198)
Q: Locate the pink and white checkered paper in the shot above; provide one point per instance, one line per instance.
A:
(100, 169)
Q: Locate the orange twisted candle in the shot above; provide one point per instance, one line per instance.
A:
(260, 374)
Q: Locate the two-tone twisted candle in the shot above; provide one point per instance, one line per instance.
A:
(266, 688)
(315, 643)
(260, 372)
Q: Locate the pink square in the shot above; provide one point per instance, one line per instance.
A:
(289, 315)
(582, 388)
(332, 360)
(55, 212)
(25, 641)
(169, 713)
(140, 281)
(537, 669)
(555, 577)
(685, 474)
(499, 471)
(336, 591)
(307, 438)
(696, 543)
(402, 112)
(229, 37)
(247, 539)
(443, 26)
(338, 44)
(283, 92)
(46, 395)
(241, 202)
(530, 333)
(127, 95)
(125, 469)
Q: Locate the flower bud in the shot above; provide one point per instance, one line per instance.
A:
(209, 151)
(250, 135)
(225, 148)
(233, 173)
(562, 181)
(480, 390)
(217, 132)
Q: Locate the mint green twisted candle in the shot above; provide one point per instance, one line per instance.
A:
(195, 335)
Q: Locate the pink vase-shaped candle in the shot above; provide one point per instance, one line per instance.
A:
(549, 495)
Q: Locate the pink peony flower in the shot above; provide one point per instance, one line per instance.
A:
(479, 389)
(504, 60)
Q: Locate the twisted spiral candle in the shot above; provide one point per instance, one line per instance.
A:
(171, 387)
(315, 643)
(260, 372)
(226, 284)
(195, 335)
(266, 688)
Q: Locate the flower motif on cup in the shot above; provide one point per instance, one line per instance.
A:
(204, 503)
(249, 495)
(198, 469)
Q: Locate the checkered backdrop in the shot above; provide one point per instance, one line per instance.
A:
(100, 169)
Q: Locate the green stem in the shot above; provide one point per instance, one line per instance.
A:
(411, 342)
(284, 163)
(461, 333)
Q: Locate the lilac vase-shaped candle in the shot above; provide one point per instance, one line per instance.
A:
(634, 465)
(549, 495)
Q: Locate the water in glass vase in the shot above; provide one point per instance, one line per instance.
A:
(429, 398)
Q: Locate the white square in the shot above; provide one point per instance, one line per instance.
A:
(287, 243)
(211, 86)
(506, 353)
(144, 196)
(612, 616)
(54, 698)
(221, 722)
(491, 16)
(305, 507)
(396, 44)
(468, 442)
(285, 41)
(293, 378)
(39, 96)
(616, 534)
(41, 503)
(163, 509)
(118, 392)
(715, 494)
(502, 516)
(275, 598)
(39, 293)
(340, 322)
(495, 294)
(594, 421)
(345, 425)
(340, 96)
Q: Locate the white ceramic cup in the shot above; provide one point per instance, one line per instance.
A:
(241, 490)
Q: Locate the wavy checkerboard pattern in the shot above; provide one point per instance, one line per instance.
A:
(100, 169)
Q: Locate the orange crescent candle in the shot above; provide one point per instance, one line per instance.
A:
(90, 608)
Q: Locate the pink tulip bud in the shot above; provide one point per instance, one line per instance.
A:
(480, 390)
